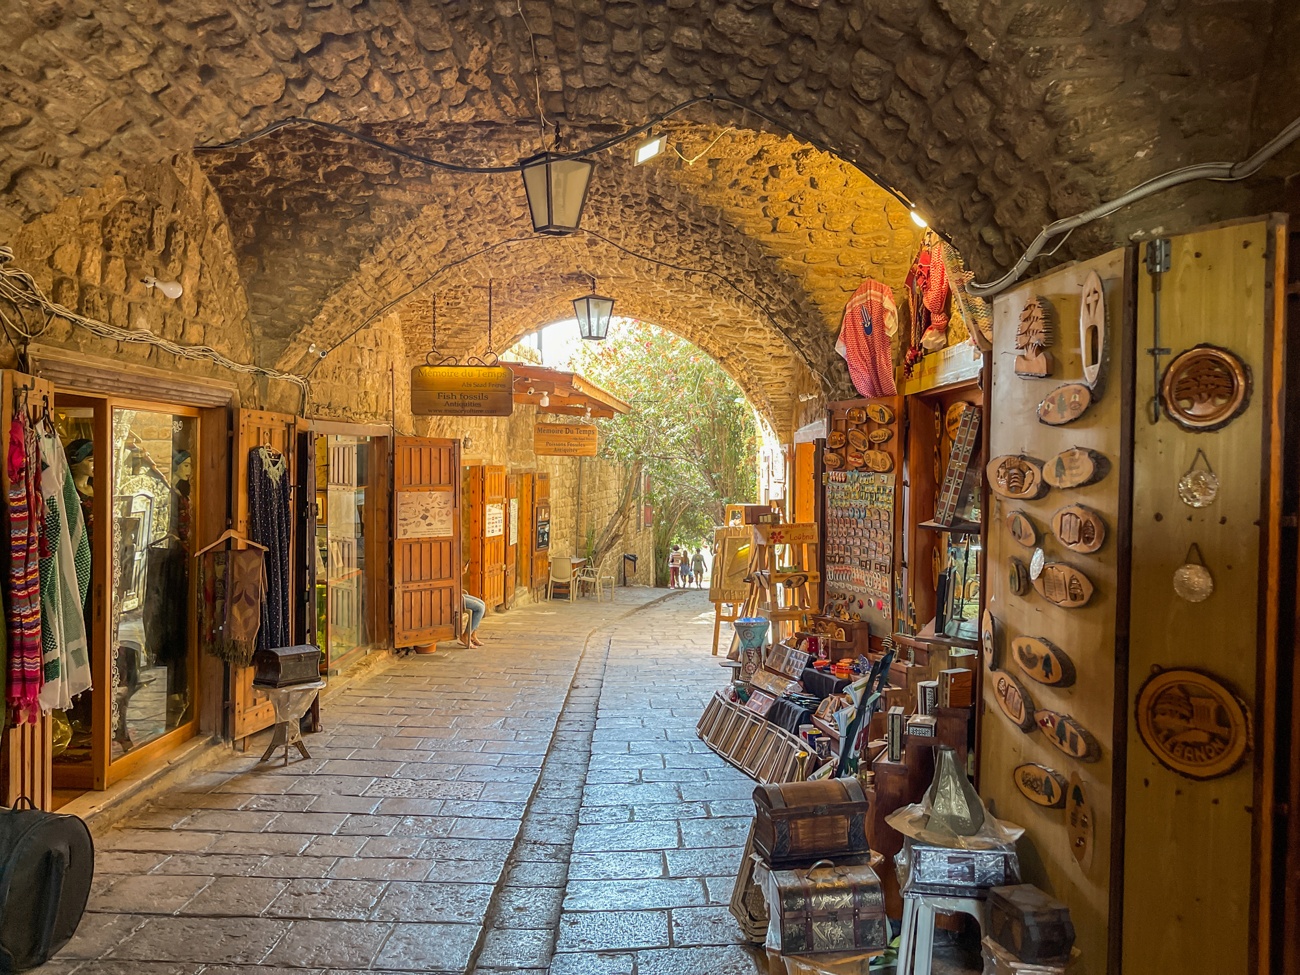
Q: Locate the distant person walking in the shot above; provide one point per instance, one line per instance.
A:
(697, 568)
(674, 568)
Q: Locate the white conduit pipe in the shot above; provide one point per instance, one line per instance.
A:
(1220, 171)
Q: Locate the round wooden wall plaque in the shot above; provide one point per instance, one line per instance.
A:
(1205, 388)
(1193, 724)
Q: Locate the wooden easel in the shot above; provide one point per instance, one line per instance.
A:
(785, 584)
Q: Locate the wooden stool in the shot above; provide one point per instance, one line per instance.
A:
(916, 945)
(291, 703)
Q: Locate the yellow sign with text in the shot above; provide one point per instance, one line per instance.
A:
(462, 391)
(564, 439)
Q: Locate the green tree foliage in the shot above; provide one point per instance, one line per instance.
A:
(690, 429)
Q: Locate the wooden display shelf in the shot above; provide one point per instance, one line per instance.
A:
(928, 641)
(956, 528)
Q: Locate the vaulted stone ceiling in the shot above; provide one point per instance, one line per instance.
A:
(996, 116)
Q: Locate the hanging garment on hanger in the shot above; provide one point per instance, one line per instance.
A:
(269, 519)
(870, 322)
(65, 579)
(934, 296)
(24, 620)
(231, 587)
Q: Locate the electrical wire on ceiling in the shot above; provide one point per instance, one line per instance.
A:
(700, 155)
(542, 120)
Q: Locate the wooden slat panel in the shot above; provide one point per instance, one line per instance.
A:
(512, 496)
(494, 547)
(426, 571)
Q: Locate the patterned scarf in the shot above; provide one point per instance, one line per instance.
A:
(25, 516)
(231, 584)
(870, 321)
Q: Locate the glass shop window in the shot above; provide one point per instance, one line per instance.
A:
(345, 502)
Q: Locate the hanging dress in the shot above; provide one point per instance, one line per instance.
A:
(870, 322)
(268, 524)
(24, 619)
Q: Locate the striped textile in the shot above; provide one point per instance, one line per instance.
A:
(24, 622)
(870, 321)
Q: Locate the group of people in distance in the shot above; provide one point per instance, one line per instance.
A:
(685, 567)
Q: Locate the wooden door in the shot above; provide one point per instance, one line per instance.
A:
(524, 549)
(252, 710)
(378, 526)
(494, 535)
(511, 538)
(541, 528)
(426, 540)
(804, 482)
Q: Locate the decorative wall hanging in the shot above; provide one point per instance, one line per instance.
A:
(1043, 661)
(1016, 477)
(853, 458)
(1035, 333)
(1205, 388)
(1036, 563)
(878, 461)
(1079, 821)
(1065, 404)
(1014, 701)
(1198, 487)
(989, 639)
(880, 413)
(1092, 328)
(1075, 467)
(870, 320)
(1068, 735)
(881, 436)
(835, 439)
(1064, 585)
(1192, 579)
(1079, 529)
(1040, 785)
(1193, 723)
(1022, 529)
(831, 460)
(856, 414)
(858, 439)
(1017, 576)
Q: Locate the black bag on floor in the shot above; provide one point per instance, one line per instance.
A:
(46, 864)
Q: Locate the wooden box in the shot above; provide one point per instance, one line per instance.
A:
(999, 961)
(1029, 924)
(286, 666)
(800, 822)
(829, 908)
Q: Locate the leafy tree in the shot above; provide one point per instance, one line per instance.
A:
(689, 428)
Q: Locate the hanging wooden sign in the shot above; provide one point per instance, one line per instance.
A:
(1016, 477)
(880, 413)
(1035, 333)
(565, 439)
(462, 391)
(1068, 735)
(1017, 576)
(1079, 821)
(1079, 529)
(1043, 661)
(1074, 468)
(1092, 328)
(1022, 529)
(1040, 785)
(1064, 585)
(1193, 723)
(1205, 388)
(1014, 701)
(1064, 404)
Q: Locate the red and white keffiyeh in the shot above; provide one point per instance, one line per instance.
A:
(870, 321)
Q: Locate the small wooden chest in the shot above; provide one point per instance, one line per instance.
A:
(829, 908)
(286, 666)
(1031, 925)
(956, 873)
(799, 822)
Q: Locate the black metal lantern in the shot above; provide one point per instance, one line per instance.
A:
(593, 313)
(557, 190)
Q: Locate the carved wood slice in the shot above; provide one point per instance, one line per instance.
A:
(1092, 328)
(880, 413)
(1205, 388)
(1016, 477)
(1043, 661)
(1064, 585)
(832, 461)
(856, 414)
(1035, 366)
(1022, 528)
(1075, 467)
(1014, 701)
(1080, 820)
(1079, 529)
(1193, 723)
(1068, 735)
(858, 439)
(1017, 576)
(853, 458)
(1040, 785)
(1065, 404)
(835, 439)
(952, 419)
(1034, 333)
(878, 461)
(881, 436)
(989, 639)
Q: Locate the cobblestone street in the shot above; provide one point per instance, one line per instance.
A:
(540, 804)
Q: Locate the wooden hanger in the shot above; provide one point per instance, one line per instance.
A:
(230, 535)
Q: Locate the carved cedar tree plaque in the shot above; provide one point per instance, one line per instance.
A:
(1022, 529)
(1205, 388)
(1074, 468)
(1065, 404)
(1193, 723)
(1079, 821)
(1040, 785)
(1035, 333)
(1068, 735)
(1079, 529)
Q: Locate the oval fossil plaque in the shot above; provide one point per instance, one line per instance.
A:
(1043, 661)
(1074, 468)
(1068, 735)
(1017, 576)
(1016, 477)
(1205, 388)
(1065, 404)
(1040, 785)
(878, 461)
(1022, 528)
(989, 639)
(1064, 585)
(880, 413)
(1193, 723)
(1014, 701)
(1078, 820)
(1079, 529)
(881, 436)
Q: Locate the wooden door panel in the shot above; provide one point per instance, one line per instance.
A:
(426, 542)
(541, 509)
(494, 546)
(511, 540)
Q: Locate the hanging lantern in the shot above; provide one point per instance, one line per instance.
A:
(557, 190)
(593, 313)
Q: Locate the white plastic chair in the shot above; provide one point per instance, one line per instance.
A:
(562, 573)
(595, 577)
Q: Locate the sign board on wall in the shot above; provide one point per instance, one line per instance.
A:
(424, 514)
(564, 439)
(462, 391)
(514, 522)
(494, 520)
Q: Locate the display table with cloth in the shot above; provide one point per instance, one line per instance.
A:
(290, 703)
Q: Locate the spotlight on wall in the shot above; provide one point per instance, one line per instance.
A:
(648, 148)
(557, 190)
(545, 400)
(172, 289)
(919, 220)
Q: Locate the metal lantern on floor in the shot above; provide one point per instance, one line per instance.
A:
(557, 190)
(593, 313)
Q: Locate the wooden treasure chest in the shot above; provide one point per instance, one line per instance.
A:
(286, 666)
(1031, 925)
(828, 908)
(930, 869)
(799, 822)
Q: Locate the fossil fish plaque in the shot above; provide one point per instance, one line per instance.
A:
(1074, 468)
(1016, 477)
(880, 413)
(1079, 529)
(1092, 328)
(1022, 528)
(1192, 723)
(1065, 404)
(1043, 661)
(1068, 735)
(1040, 785)
(1014, 701)
(1064, 585)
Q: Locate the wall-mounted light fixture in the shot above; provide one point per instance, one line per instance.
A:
(593, 312)
(545, 400)
(648, 148)
(557, 190)
(171, 289)
(919, 220)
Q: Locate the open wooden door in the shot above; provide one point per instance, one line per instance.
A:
(541, 529)
(803, 484)
(524, 548)
(494, 535)
(426, 542)
(511, 538)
